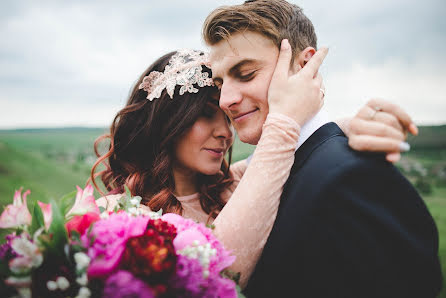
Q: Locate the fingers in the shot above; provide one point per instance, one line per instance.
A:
(283, 62)
(369, 114)
(318, 81)
(312, 66)
(376, 144)
(395, 110)
(364, 127)
(393, 157)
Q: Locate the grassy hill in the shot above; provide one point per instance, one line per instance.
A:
(51, 162)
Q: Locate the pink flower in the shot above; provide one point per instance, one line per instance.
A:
(47, 213)
(187, 238)
(85, 202)
(17, 213)
(80, 223)
(107, 239)
(223, 258)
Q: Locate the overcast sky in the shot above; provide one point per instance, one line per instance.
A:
(72, 63)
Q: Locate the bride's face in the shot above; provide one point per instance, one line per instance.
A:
(202, 148)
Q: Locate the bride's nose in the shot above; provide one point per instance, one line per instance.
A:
(222, 127)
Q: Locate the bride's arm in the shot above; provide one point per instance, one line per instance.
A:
(245, 222)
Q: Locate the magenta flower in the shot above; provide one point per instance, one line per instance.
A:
(188, 280)
(124, 284)
(85, 202)
(107, 239)
(17, 213)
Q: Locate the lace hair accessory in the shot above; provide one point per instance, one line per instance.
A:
(184, 69)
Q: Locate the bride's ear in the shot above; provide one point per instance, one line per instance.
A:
(302, 58)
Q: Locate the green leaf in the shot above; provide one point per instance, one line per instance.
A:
(57, 230)
(127, 192)
(37, 219)
(101, 209)
(239, 292)
(67, 201)
(75, 236)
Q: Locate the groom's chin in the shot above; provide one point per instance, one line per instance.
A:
(249, 135)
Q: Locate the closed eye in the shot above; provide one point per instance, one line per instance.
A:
(248, 76)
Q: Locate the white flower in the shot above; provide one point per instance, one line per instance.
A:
(83, 293)
(133, 211)
(82, 260)
(29, 255)
(83, 280)
(154, 215)
(63, 283)
(203, 253)
(134, 202)
(104, 215)
(52, 285)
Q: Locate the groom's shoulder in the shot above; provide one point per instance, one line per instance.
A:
(327, 153)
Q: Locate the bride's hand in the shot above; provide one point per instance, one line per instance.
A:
(382, 127)
(298, 95)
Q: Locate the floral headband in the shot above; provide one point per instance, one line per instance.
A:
(184, 69)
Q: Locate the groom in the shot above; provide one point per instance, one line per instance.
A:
(349, 224)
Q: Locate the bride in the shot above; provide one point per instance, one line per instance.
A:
(168, 145)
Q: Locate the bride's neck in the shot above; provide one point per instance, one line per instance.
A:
(185, 182)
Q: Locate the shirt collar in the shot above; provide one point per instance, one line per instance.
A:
(320, 119)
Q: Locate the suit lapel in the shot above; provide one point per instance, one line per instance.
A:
(321, 135)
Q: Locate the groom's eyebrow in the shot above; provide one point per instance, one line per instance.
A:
(235, 70)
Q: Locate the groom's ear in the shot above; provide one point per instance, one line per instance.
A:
(302, 58)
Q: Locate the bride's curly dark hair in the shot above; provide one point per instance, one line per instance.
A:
(142, 139)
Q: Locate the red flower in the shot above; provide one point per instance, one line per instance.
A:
(80, 223)
(152, 256)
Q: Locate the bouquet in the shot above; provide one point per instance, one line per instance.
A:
(73, 248)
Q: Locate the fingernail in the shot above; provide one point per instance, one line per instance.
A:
(413, 129)
(404, 147)
(285, 44)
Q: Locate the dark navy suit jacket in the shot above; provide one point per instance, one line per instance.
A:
(349, 225)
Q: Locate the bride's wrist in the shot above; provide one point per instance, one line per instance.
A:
(291, 122)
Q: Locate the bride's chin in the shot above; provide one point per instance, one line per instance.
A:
(213, 170)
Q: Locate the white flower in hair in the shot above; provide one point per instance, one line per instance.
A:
(184, 69)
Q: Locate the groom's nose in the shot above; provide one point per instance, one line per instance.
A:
(230, 96)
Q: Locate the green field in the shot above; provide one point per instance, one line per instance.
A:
(51, 162)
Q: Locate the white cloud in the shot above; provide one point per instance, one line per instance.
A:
(417, 87)
(61, 59)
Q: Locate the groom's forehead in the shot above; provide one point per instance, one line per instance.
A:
(248, 46)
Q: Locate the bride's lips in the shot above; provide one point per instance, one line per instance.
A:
(216, 152)
(243, 116)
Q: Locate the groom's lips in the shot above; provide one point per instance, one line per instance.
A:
(243, 116)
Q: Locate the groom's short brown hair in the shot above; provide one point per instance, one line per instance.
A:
(275, 19)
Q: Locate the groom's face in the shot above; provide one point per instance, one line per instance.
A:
(242, 67)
